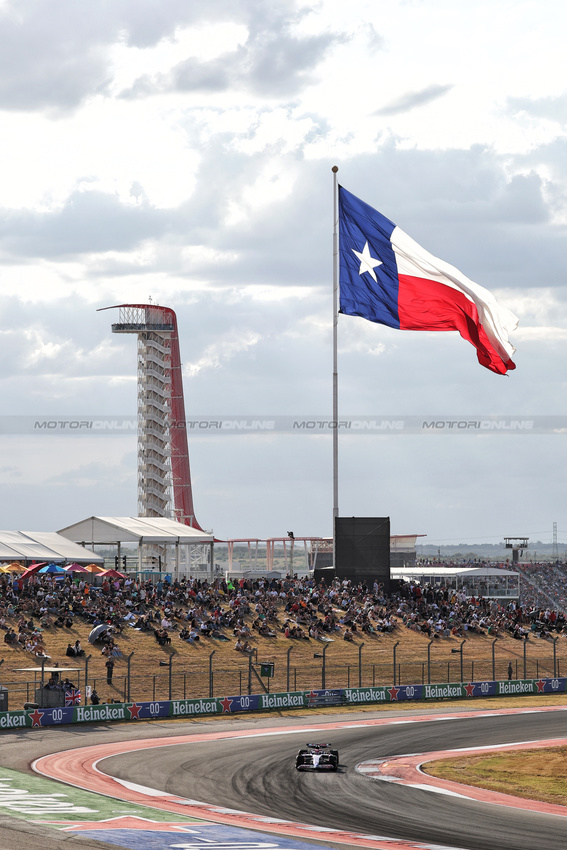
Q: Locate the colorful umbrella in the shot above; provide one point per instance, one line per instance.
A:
(52, 568)
(32, 570)
(112, 574)
(14, 568)
(75, 568)
(94, 568)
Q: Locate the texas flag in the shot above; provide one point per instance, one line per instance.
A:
(388, 278)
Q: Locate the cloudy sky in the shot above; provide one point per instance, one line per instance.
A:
(183, 152)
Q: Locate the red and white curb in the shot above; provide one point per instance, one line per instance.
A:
(407, 770)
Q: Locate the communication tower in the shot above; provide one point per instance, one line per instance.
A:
(164, 476)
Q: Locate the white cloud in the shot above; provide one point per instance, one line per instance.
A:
(205, 42)
(222, 351)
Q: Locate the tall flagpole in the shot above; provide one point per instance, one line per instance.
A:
(335, 426)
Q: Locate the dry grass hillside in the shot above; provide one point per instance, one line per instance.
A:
(184, 669)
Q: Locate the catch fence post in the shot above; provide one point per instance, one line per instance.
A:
(360, 664)
(287, 669)
(128, 660)
(394, 662)
(461, 651)
(87, 659)
(429, 662)
(211, 674)
(555, 657)
(323, 670)
(493, 661)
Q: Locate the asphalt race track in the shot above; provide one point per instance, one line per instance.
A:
(258, 775)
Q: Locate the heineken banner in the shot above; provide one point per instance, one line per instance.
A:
(132, 711)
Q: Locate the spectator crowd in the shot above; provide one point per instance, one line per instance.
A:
(295, 608)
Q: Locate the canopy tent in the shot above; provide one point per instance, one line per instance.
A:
(46, 546)
(109, 530)
(156, 533)
(46, 669)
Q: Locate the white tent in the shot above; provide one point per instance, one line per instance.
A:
(144, 531)
(27, 546)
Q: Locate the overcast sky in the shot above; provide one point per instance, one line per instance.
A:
(183, 151)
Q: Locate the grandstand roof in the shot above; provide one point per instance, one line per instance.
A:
(126, 529)
(43, 546)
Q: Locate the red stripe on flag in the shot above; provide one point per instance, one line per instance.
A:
(425, 305)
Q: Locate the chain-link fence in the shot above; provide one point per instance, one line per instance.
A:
(133, 682)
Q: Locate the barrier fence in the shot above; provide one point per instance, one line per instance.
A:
(159, 709)
(248, 675)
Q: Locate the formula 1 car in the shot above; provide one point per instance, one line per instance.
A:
(317, 757)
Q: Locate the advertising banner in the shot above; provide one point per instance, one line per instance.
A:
(329, 697)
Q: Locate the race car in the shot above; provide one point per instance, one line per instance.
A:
(317, 757)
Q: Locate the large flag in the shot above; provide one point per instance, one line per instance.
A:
(388, 278)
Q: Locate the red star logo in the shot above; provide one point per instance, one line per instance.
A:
(469, 689)
(226, 705)
(134, 711)
(311, 696)
(540, 686)
(393, 691)
(36, 717)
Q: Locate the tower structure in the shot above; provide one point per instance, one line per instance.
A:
(164, 476)
(518, 545)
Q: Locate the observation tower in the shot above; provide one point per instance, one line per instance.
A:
(164, 477)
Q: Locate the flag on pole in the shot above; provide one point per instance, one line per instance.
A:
(386, 277)
(73, 696)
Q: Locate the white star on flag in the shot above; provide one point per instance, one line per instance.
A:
(367, 263)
